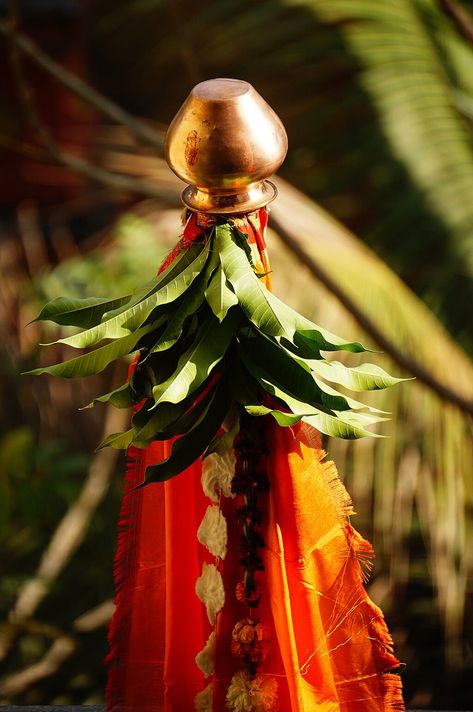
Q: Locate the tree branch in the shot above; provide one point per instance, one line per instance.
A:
(74, 163)
(100, 102)
(61, 649)
(461, 18)
(69, 533)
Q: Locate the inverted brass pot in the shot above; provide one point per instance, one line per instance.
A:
(225, 141)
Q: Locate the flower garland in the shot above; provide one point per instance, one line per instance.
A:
(249, 690)
(217, 475)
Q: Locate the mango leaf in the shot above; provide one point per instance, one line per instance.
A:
(312, 364)
(264, 309)
(181, 261)
(78, 312)
(95, 361)
(265, 358)
(188, 305)
(224, 441)
(251, 294)
(327, 423)
(354, 404)
(147, 423)
(241, 240)
(118, 441)
(211, 342)
(244, 387)
(282, 418)
(188, 448)
(172, 419)
(366, 377)
(130, 319)
(218, 294)
(122, 397)
(160, 423)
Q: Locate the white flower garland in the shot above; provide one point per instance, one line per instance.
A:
(205, 659)
(203, 700)
(212, 532)
(217, 474)
(209, 589)
(247, 694)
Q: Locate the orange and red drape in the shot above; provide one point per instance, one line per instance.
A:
(329, 650)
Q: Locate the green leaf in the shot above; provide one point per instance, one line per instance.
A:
(122, 397)
(327, 423)
(130, 319)
(118, 441)
(188, 448)
(95, 361)
(366, 377)
(241, 240)
(223, 442)
(244, 387)
(171, 419)
(178, 265)
(78, 312)
(312, 364)
(264, 309)
(193, 367)
(188, 305)
(161, 423)
(251, 294)
(282, 418)
(265, 358)
(306, 334)
(219, 296)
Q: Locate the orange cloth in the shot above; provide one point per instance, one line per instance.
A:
(330, 649)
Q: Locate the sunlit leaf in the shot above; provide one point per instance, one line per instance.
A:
(263, 308)
(328, 423)
(282, 418)
(95, 361)
(188, 305)
(78, 312)
(366, 377)
(131, 318)
(121, 397)
(219, 296)
(178, 265)
(266, 359)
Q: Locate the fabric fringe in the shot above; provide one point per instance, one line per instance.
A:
(362, 551)
(126, 542)
(392, 689)
(342, 500)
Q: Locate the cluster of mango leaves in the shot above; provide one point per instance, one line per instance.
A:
(212, 339)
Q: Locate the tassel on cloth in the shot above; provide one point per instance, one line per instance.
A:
(393, 692)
